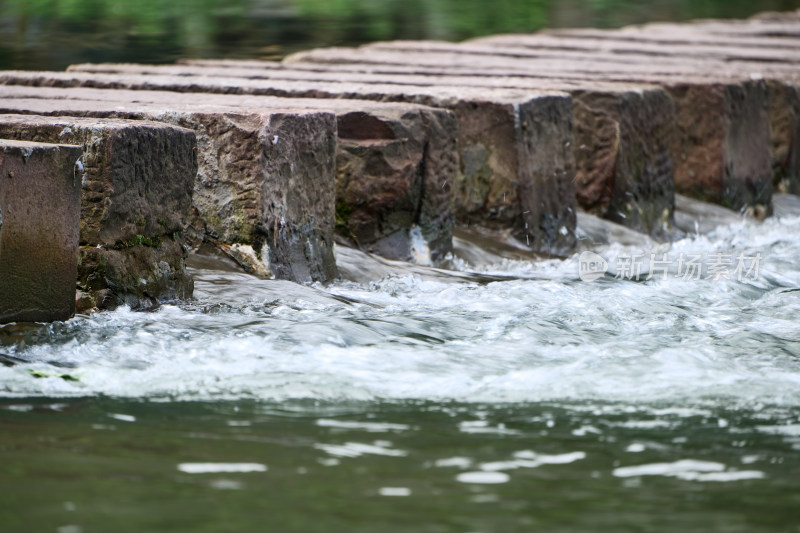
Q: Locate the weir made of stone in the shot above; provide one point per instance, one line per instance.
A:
(624, 168)
(390, 146)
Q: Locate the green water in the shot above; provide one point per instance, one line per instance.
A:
(51, 34)
(102, 465)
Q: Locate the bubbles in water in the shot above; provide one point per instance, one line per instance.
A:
(518, 331)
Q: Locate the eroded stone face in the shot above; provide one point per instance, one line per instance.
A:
(624, 157)
(140, 276)
(395, 174)
(40, 202)
(784, 113)
(298, 196)
(517, 169)
(722, 152)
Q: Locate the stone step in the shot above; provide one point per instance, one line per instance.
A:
(137, 181)
(517, 164)
(422, 55)
(719, 165)
(494, 73)
(40, 208)
(611, 49)
(265, 181)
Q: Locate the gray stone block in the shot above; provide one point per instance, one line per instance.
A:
(40, 195)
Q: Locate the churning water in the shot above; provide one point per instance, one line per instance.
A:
(508, 395)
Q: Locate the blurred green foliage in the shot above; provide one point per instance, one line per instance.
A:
(55, 33)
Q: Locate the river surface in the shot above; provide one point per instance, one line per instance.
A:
(52, 34)
(506, 395)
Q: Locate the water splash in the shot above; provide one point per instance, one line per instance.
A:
(507, 331)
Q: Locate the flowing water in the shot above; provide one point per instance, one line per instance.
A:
(506, 395)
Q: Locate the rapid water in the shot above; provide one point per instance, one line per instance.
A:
(505, 395)
(540, 333)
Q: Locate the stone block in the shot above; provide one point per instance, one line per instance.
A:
(40, 195)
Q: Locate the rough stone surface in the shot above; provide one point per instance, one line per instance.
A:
(517, 170)
(395, 178)
(784, 111)
(137, 176)
(624, 151)
(137, 180)
(722, 155)
(597, 148)
(138, 275)
(673, 39)
(721, 151)
(265, 178)
(395, 167)
(380, 209)
(735, 167)
(624, 46)
(40, 198)
(518, 197)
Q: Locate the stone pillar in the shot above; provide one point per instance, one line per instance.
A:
(40, 207)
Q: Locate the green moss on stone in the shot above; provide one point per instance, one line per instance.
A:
(139, 240)
(343, 212)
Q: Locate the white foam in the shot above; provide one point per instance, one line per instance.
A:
(669, 469)
(689, 470)
(788, 430)
(457, 462)
(529, 459)
(357, 449)
(394, 491)
(488, 478)
(122, 417)
(214, 468)
(372, 427)
(684, 346)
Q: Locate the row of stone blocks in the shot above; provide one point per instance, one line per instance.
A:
(263, 189)
(273, 179)
(632, 142)
(268, 168)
